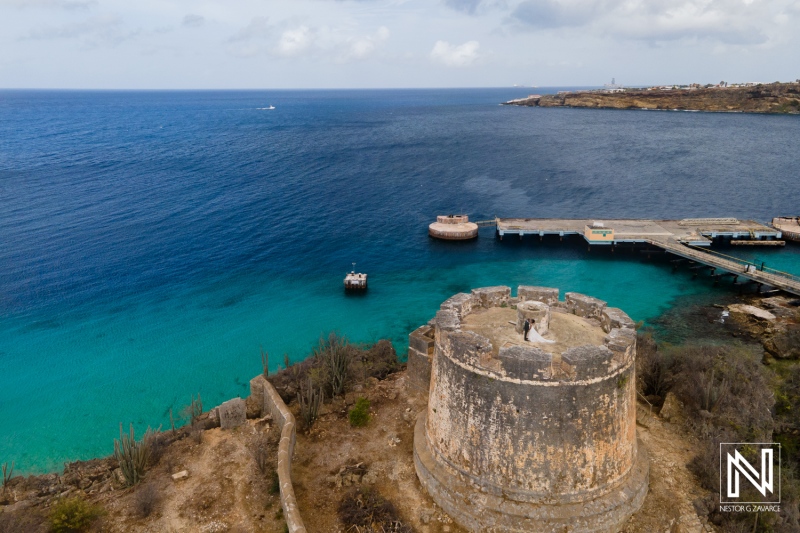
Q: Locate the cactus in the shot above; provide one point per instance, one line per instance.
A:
(335, 355)
(195, 408)
(7, 473)
(310, 400)
(132, 455)
(265, 362)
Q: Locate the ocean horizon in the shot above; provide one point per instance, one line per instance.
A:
(154, 242)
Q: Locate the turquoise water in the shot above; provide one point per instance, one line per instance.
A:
(153, 243)
(133, 362)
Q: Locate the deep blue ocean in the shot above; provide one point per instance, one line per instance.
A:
(151, 243)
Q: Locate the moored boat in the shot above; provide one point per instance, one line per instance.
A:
(355, 281)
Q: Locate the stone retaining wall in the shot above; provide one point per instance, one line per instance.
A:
(273, 404)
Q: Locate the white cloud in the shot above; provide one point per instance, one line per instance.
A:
(455, 56)
(363, 47)
(725, 21)
(295, 41)
(260, 37)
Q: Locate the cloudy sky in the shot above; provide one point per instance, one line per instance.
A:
(394, 43)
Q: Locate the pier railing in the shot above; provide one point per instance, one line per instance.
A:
(775, 278)
(744, 262)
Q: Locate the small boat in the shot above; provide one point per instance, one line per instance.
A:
(355, 281)
(788, 226)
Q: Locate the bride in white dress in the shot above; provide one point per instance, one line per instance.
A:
(535, 337)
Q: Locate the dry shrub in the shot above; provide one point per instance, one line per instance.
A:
(146, 500)
(159, 442)
(336, 365)
(260, 448)
(654, 369)
(378, 361)
(364, 510)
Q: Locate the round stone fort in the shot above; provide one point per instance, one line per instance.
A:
(536, 435)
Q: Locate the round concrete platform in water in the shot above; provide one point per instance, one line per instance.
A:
(453, 228)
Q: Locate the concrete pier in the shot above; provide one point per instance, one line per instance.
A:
(688, 238)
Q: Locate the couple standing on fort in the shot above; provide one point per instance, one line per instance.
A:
(530, 334)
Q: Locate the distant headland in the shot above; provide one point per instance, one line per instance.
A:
(780, 98)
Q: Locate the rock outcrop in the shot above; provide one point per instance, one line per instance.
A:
(766, 98)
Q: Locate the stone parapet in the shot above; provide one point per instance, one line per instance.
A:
(492, 296)
(615, 318)
(461, 303)
(281, 415)
(546, 295)
(585, 306)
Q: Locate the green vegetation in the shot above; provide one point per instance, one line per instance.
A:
(70, 515)
(132, 455)
(359, 414)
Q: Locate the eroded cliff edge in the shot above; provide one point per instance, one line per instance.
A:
(780, 98)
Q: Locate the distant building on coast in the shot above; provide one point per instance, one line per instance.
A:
(613, 87)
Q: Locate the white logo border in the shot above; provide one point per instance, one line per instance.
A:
(722, 487)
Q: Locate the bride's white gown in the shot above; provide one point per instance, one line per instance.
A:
(533, 336)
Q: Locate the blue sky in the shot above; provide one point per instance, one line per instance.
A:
(173, 44)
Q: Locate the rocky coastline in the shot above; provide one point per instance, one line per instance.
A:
(773, 98)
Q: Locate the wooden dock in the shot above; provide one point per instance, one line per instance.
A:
(688, 238)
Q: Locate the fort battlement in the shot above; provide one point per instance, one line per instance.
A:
(529, 436)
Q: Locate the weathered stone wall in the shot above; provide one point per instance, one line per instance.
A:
(577, 437)
(615, 318)
(420, 357)
(491, 296)
(281, 415)
(534, 440)
(585, 306)
(546, 295)
(232, 413)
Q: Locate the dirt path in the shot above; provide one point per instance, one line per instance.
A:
(668, 506)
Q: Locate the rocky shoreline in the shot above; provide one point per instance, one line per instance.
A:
(774, 98)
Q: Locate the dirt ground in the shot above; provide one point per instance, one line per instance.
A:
(327, 459)
(334, 457)
(567, 331)
(225, 490)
